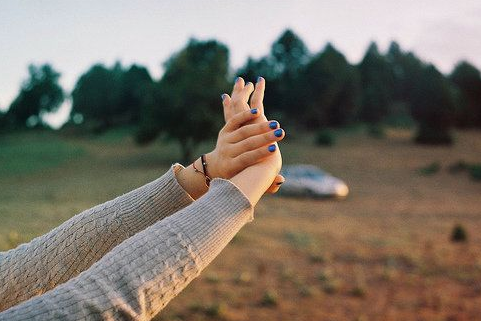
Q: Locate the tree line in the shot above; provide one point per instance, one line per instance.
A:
(312, 90)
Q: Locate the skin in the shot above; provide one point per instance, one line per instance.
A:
(241, 152)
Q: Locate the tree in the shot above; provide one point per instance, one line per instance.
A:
(287, 58)
(468, 81)
(331, 86)
(40, 94)
(135, 93)
(96, 96)
(187, 100)
(433, 107)
(376, 84)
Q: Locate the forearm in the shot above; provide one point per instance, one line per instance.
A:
(141, 275)
(51, 259)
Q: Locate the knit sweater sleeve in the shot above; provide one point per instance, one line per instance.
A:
(140, 276)
(52, 259)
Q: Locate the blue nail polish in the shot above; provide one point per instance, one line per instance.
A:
(254, 111)
(278, 132)
(236, 79)
(272, 148)
(259, 79)
(222, 96)
(248, 83)
(273, 125)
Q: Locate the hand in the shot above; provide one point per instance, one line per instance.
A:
(240, 146)
(238, 102)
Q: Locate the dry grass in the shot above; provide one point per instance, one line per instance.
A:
(384, 253)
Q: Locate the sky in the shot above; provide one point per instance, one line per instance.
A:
(73, 35)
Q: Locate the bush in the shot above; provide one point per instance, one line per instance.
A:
(270, 298)
(376, 131)
(475, 172)
(432, 136)
(459, 234)
(430, 169)
(325, 137)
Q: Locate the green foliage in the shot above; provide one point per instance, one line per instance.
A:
(185, 111)
(330, 87)
(111, 97)
(459, 234)
(430, 169)
(433, 108)
(270, 298)
(325, 137)
(39, 94)
(376, 131)
(475, 172)
(467, 79)
(377, 83)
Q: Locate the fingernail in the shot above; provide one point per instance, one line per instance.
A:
(248, 83)
(279, 183)
(222, 96)
(272, 148)
(259, 79)
(254, 111)
(273, 125)
(278, 132)
(236, 79)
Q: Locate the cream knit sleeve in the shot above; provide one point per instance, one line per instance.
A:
(52, 259)
(137, 278)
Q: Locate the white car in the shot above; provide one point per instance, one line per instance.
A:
(308, 180)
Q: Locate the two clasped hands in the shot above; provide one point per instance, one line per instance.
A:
(246, 151)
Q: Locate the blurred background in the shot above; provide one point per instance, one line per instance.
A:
(100, 97)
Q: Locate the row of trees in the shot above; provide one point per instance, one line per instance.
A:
(310, 90)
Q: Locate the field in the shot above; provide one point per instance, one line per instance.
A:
(384, 253)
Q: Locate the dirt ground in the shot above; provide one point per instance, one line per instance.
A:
(383, 253)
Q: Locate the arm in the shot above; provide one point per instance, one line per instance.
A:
(51, 259)
(141, 275)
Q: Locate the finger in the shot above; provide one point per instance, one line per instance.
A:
(239, 119)
(276, 184)
(238, 87)
(228, 112)
(252, 157)
(257, 141)
(247, 91)
(247, 131)
(257, 97)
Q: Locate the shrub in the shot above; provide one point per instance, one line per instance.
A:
(459, 234)
(325, 137)
(376, 131)
(430, 169)
(475, 172)
(432, 136)
(270, 298)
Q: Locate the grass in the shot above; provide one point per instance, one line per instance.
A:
(301, 254)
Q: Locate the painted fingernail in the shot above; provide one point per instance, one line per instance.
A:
(237, 79)
(222, 96)
(279, 183)
(278, 132)
(259, 79)
(248, 83)
(272, 148)
(273, 125)
(254, 111)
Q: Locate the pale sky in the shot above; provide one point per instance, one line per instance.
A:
(73, 35)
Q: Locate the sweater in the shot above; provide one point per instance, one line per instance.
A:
(124, 259)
